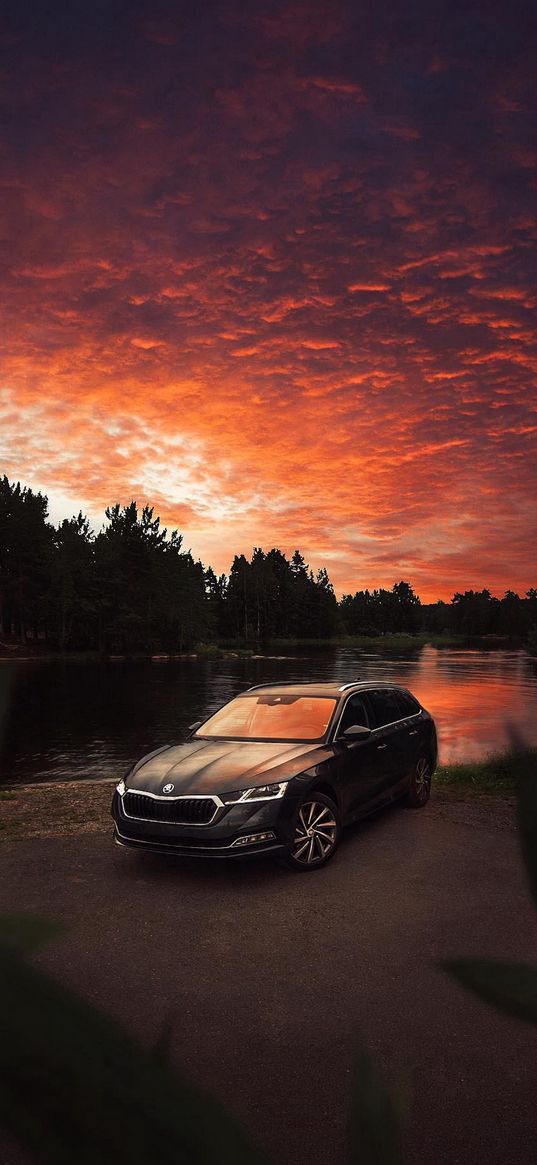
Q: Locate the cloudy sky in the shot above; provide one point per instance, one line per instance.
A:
(271, 267)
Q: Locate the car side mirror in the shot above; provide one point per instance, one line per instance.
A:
(355, 733)
(193, 727)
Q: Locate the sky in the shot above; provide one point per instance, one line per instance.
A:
(271, 267)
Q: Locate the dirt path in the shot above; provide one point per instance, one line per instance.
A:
(270, 975)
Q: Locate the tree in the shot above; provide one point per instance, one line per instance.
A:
(152, 595)
(215, 590)
(511, 614)
(301, 591)
(406, 608)
(73, 585)
(25, 560)
(238, 598)
(326, 605)
(474, 612)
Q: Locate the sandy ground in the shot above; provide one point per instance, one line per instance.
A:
(79, 807)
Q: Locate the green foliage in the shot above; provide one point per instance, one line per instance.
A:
(499, 773)
(271, 596)
(380, 611)
(152, 594)
(474, 614)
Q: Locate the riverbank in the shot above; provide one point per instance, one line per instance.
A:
(273, 649)
(79, 807)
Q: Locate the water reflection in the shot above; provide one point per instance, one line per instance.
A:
(63, 720)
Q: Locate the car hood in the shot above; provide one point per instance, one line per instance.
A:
(219, 766)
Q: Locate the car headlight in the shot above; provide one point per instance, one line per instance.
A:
(121, 787)
(261, 793)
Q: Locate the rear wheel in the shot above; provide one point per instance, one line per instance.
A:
(419, 789)
(316, 833)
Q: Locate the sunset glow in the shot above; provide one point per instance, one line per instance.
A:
(271, 268)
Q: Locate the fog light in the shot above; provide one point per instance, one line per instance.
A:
(253, 838)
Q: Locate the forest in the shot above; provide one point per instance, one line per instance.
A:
(132, 587)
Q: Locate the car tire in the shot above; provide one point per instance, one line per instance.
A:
(419, 789)
(316, 832)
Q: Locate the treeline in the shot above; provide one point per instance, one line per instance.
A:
(132, 587)
(477, 613)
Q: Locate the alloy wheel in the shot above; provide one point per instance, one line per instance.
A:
(315, 833)
(422, 779)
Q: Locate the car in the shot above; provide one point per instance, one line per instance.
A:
(280, 769)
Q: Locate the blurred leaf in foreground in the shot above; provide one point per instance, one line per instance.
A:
(511, 987)
(24, 933)
(527, 813)
(75, 1087)
(374, 1123)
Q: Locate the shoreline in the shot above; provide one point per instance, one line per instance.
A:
(274, 649)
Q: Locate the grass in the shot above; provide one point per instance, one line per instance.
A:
(498, 773)
(378, 642)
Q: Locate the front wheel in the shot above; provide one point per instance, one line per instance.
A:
(316, 833)
(419, 789)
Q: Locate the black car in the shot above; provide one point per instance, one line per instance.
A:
(280, 769)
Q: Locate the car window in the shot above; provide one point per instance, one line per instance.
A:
(271, 716)
(355, 712)
(385, 707)
(409, 706)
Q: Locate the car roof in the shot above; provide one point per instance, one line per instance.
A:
(317, 688)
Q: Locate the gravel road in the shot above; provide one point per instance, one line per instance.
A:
(271, 975)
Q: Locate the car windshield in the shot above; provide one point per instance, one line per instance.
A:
(271, 717)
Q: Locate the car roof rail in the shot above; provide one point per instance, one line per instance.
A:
(272, 684)
(289, 683)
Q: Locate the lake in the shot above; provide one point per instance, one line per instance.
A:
(73, 719)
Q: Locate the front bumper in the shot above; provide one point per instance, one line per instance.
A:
(215, 840)
(191, 851)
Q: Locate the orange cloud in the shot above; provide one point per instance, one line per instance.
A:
(280, 288)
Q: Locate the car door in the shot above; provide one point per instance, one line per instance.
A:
(390, 740)
(359, 782)
(412, 728)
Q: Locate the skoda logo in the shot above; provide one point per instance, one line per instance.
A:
(168, 788)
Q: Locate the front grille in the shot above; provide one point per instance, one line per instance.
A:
(181, 811)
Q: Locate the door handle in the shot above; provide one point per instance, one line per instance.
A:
(380, 746)
(414, 733)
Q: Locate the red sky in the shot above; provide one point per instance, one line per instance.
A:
(271, 267)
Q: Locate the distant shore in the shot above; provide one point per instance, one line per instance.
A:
(273, 649)
(64, 808)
